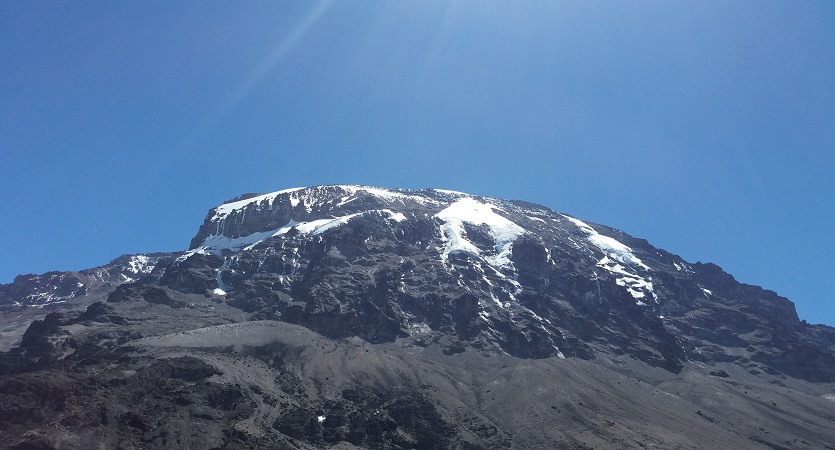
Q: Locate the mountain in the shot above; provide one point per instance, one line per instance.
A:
(361, 317)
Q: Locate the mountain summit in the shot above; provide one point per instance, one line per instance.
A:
(356, 316)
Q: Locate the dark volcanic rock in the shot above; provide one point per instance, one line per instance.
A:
(194, 275)
(142, 292)
(563, 286)
(509, 275)
(30, 290)
(371, 419)
(183, 368)
(63, 290)
(101, 312)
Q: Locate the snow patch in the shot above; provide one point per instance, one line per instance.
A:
(227, 208)
(637, 287)
(395, 216)
(140, 264)
(683, 267)
(620, 261)
(317, 226)
(418, 329)
(384, 194)
(467, 210)
(612, 247)
(310, 198)
(219, 291)
(215, 244)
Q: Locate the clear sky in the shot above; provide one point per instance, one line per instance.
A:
(707, 128)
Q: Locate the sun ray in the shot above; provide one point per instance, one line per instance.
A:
(263, 69)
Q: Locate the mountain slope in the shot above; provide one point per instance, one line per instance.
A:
(457, 321)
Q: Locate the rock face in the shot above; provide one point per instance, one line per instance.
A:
(53, 288)
(385, 318)
(490, 274)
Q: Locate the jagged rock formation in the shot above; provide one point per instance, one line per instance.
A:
(385, 318)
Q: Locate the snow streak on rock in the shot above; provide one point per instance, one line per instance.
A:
(467, 210)
(610, 246)
(620, 261)
(267, 199)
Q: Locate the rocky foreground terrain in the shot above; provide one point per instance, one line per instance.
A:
(355, 317)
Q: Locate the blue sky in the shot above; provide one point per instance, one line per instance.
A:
(707, 128)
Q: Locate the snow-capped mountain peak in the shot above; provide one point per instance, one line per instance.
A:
(336, 280)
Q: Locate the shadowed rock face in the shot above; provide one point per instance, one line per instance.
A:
(411, 287)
